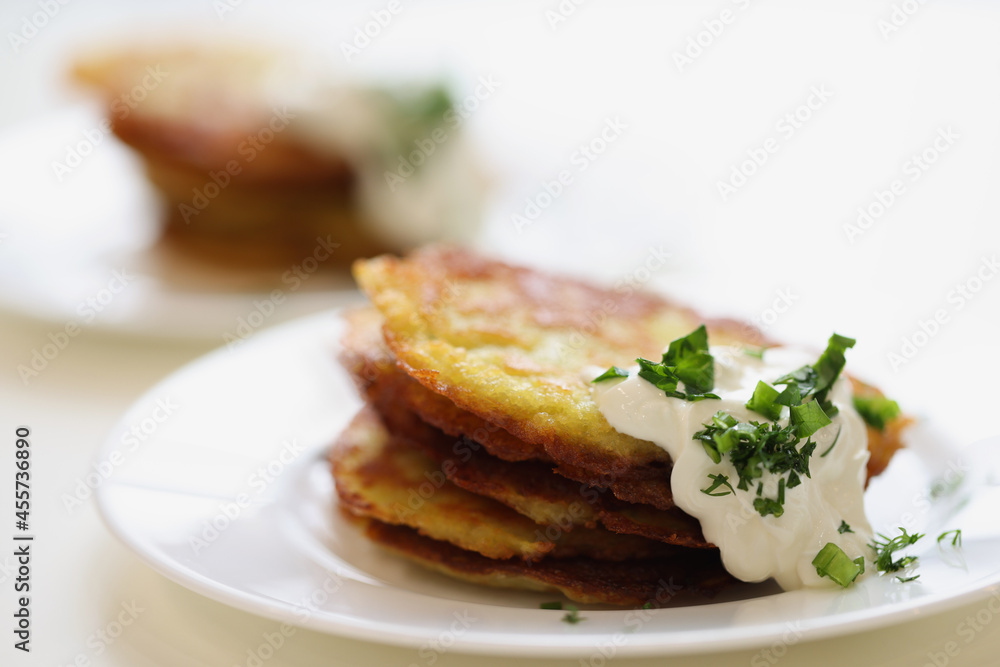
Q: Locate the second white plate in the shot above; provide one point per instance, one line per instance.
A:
(79, 225)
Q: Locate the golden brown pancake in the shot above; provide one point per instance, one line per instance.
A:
(479, 374)
(516, 349)
(532, 488)
(382, 477)
(656, 582)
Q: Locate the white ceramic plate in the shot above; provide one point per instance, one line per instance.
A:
(217, 479)
(76, 209)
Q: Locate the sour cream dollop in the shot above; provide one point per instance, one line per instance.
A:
(754, 547)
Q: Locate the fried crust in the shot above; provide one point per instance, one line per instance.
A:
(656, 582)
(533, 489)
(377, 374)
(514, 347)
(383, 477)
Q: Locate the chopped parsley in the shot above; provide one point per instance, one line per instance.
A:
(886, 547)
(877, 411)
(754, 448)
(832, 562)
(816, 381)
(611, 373)
(945, 487)
(835, 439)
(686, 360)
(764, 401)
(844, 528)
(904, 580)
(956, 541)
(717, 481)
(808, 418)
(572, 615)
(776, 506)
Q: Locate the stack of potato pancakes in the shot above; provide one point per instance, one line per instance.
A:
(481, 453)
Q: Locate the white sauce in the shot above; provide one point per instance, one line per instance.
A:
(408, 195)
(754, 548)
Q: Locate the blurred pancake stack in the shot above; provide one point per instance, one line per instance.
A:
(480, 452)
(260, 156)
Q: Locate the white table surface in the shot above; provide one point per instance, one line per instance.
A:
(782, 231)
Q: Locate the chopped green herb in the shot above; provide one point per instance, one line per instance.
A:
(573, 615)
(844, 528)
(903, 580)
(835, 439)
(695, 366)
(828, 368)
(831, 561)
(956, 541)
(754, 448)
(756, 353)
(686, 360)
(767, 506)
(945, 486)
(885, 548)
(665, 378)
(789, 396)
(647, 605)
(800, 382)
(877, 411)
(763, 401)
(815, 381)
(573, 612)
(613, 372)
(808, 418)
(717, 481)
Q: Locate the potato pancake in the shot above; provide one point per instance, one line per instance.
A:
(382, 477)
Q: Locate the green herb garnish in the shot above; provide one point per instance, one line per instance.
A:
(611, 373)
(956, 541)
(835, 439)
(686, 360)
(690, 356)
(573, 612)
(573, 615)
(903, 580)
(844, 528)
(885, 549)
(717, 481)
(756, 353)
(764, 401)
(808, 418)
(944, 487)
(831, 561)
(877, 411)
(815, 381)
(754, 448)
(767, 506)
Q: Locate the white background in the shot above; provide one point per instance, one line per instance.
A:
(655, 187)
